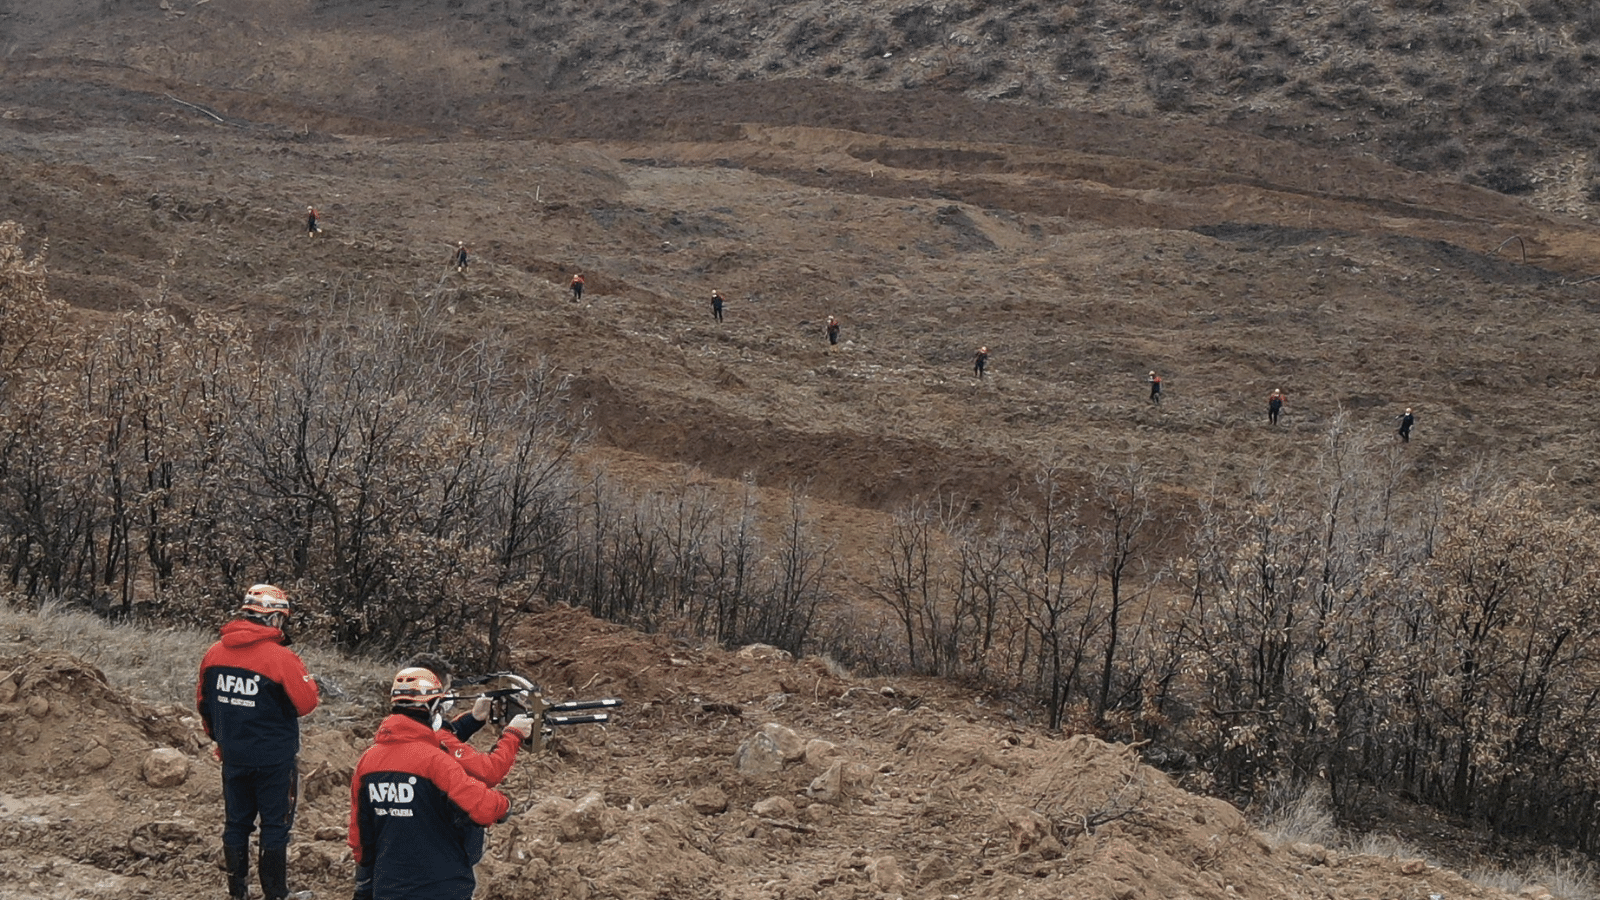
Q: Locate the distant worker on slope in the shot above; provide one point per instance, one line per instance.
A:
(252, 692)
(1275, 402)
(832, 330)
(1407, 420)
(577, 286)
(716, 306)
(461, 256)
(1155, 387)
(312, 228)
(980, 361)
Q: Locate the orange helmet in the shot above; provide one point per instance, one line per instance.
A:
(265, 600)
(415, 687)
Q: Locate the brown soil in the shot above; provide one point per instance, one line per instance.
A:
(165, 153)
(939, 795)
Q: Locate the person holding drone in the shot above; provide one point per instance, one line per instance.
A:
(416, 814)
(453, 733)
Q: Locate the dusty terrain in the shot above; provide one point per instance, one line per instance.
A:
(165, 154)
(859, 788)
(1083, 247)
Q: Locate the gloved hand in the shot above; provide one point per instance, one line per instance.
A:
(480, 709)
(216, 752)
(522, 723)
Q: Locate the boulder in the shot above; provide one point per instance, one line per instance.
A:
(842, 781)
(709, 800)
(759, 755)
(789, 744)
(774, 808)
(829, 786)
(885, 874)
(585, 820)
(164, 767)
(161, 840)
(819, 751)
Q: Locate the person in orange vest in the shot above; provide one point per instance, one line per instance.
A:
(832, 330)
(980, 361)
(1155, 387)
(1275, 402)
(577, 287)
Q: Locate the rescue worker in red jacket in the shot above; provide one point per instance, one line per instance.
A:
(453, 733)
(252, 692)
(416, 815)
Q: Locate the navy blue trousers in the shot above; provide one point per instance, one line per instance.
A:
(265, 792)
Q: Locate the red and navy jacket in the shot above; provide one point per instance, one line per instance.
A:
(415, 815)
(251, 694)
(489, 768)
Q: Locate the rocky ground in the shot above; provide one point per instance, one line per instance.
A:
(728, 774)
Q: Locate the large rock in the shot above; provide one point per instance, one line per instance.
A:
(161, 840)
(819, 751)
(709, 800)
(774, 808)
(584, 821)
(759, 755)
(842, 781)
(790, 745)
(164, 767)
(885, 874)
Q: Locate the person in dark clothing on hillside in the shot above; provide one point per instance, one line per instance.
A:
(980, 361)
(416, 814)
(1275, 402)
(1407, 420)
(832, 330)
(716, 306)
(252, 692)
(1155, 387)
(577, 287)
(312, 228)
(461, 256)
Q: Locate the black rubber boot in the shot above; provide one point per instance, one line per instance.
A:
(275, 873)
(237, 861)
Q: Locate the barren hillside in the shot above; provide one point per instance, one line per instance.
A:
(1368, 206)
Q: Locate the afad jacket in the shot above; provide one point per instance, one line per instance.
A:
(415, 815)
(251, 693)
(490, 768)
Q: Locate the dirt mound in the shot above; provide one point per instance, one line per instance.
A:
(729, 774)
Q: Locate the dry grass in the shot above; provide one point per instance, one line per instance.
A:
(158, 665)
(1299, 812)
(1565, 877)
